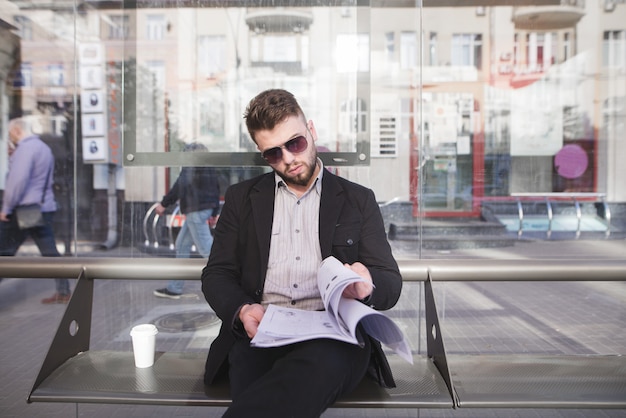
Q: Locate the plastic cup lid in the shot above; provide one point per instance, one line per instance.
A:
(144, 329)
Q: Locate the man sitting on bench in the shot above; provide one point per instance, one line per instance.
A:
(272, 235)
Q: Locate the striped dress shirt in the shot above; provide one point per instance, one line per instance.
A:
(295, 253)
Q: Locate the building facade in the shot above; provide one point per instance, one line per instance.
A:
(445, 106)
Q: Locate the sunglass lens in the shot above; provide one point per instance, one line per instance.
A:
(296, 145)
(273, 155)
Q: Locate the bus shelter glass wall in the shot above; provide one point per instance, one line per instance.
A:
(491, 131)
(507, 117)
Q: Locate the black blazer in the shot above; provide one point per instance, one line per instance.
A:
(350, 228)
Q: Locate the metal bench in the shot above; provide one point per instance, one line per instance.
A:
(73, 373)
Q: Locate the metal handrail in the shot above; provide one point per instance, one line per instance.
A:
(155, 221)
(607, 216)
(170, 232)
(550, 216)
(121, 268)
(146, 218)
(575, 196)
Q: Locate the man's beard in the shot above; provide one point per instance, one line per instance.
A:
(304, 178)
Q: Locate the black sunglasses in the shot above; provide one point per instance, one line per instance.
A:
(294, 146)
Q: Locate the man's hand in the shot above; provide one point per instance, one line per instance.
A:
(359, 290)
(4, 217)
(250, 316)
(159, 209)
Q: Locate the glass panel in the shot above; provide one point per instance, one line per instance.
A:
(500, 118)
(201, 95)
(486, 129)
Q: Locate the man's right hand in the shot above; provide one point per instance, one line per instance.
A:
(159, 209)
(4, 217)
(250, 316)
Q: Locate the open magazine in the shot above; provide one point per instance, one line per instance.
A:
(282, 325)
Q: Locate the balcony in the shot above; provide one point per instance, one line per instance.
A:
(278, 20)
(565, 15)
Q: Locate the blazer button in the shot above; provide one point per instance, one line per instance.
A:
(258, 292)
(349, 241)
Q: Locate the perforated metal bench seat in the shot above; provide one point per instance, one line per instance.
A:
(176, 379)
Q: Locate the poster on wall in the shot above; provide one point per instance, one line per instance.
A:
(93, 124)
(536, 120)
(94, 149)
(92, 101)
(91, 77)
(90, 53)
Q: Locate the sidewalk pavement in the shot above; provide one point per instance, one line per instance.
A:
(538, 317)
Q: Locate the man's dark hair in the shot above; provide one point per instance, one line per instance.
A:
(270, 108)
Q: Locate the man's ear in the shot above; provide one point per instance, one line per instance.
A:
(311, 127)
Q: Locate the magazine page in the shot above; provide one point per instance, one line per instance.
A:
(282, 325)
(377, 325)
(332, 278)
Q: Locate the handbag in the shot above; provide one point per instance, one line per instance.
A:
(30, 216)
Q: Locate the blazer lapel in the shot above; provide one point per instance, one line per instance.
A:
(262, 199)
(331, 203)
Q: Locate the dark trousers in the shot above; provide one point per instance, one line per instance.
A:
(298, 380)
(12, 237)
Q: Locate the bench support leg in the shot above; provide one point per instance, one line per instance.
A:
(74, 332)
(434, 339)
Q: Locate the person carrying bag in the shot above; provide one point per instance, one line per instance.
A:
(30, 216)
(30, 168)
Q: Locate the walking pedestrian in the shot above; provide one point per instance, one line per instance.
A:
(29, 180)
(198, 192)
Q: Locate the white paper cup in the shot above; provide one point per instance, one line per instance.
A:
(144, 337)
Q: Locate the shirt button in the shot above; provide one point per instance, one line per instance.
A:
(293, 302)
(297, 231)
(295, 285)
(298, 258)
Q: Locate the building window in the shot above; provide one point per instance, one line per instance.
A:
(211, 55)
(390, 45)
(58, 124)
(155, 27)
(280, 48)
(353, 52)
(540, 50)
(118, 27)
(304, 54)
(568, 51)
(55, 75)
(408, 50)
(24, 27)
(432, 48)
(467, 49)
(157, 69)
(353, 117)
(25, 76)
(614, 49)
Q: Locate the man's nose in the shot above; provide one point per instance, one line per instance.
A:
(287, 156)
